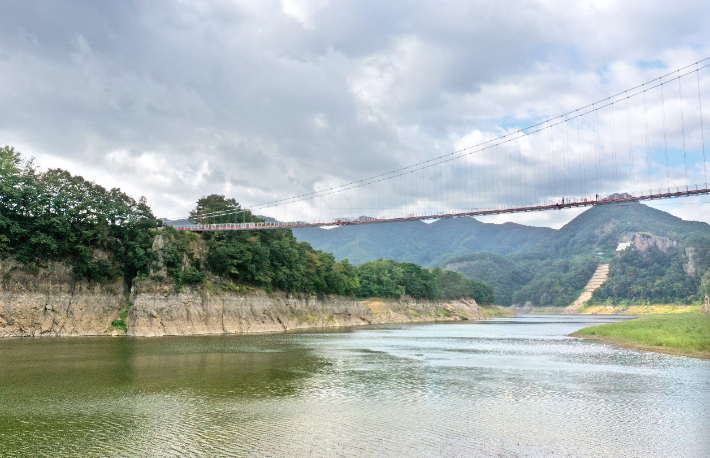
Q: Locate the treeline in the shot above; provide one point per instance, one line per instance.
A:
(536, 281)
(272, 260)
(53, 215)
(390, 279)
(275, 260)
(105, 234)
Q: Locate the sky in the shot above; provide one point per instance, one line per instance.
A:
(260, 101)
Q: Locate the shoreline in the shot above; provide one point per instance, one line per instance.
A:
(628, 344)
(387, 316)
(628, 310)
(683, 334)
(153, 312)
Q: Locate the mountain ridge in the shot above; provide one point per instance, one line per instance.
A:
(426, 244)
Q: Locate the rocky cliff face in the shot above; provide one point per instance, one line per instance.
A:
(644, 241)
(159, 311)
(200, 311)
(50, 302)
(408, 310)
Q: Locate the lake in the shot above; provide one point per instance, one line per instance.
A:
(509, 387)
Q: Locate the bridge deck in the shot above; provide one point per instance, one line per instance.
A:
(671, 193)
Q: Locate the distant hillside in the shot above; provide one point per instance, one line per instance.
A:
(603, 227)
(425, 244)
(503, 274)
(661, 259)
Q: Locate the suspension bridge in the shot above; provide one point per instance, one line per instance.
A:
(645, 143)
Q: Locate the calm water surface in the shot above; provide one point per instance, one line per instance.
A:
(507, 387)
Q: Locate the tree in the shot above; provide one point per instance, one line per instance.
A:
(389, 279)
(10, 162)
(54, 215)
(216, 208)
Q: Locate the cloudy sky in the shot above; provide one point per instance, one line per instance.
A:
(262, 100)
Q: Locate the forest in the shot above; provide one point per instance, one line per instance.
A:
(105, 234)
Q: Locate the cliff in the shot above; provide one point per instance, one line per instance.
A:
(49, 302)
(158, 310)
(408, 310)
(201, 311)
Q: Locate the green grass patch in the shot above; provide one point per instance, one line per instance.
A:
(308, 319)
(443, 313)
(495, 311)
(120, 323)
(687, 333)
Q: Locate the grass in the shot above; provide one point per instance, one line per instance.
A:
(443, 313)
(495, 311)
(120, 323)
(655, 309)
(685, 334)
(308, 319)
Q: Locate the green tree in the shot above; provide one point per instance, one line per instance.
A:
(216, 208)
(389, 279)
(56, 216)
(381, 278)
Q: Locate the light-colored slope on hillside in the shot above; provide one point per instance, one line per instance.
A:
(599, 277)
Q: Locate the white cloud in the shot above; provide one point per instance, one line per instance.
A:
(690, 208)
(553, 219)
(303, 10)
(266, 100)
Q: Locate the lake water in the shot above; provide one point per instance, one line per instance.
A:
(514, 387)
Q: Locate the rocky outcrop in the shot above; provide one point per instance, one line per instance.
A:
(408, 310)
(159, 311)
(50, 302)
(643, 241)
(201, 311)
(691, 266)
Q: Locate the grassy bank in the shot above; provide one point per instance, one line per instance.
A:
(655, 309)
(496, 311)
(682, 334)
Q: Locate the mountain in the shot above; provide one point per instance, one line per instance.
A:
(426, 244)
(603, 227)
(654, 257)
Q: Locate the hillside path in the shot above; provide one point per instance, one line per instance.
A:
(599, 277)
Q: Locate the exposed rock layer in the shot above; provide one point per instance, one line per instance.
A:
(201, 311)
(51, 303)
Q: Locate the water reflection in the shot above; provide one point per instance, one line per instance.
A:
(507, 387)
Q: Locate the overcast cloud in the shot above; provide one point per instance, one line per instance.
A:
(262, 100)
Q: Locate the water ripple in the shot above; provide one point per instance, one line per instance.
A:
(509, 388)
